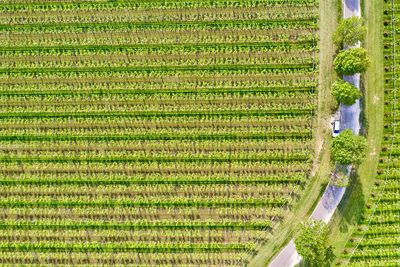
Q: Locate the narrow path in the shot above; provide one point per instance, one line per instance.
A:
(349, 119)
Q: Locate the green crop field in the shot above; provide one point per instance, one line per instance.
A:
(152, 132)
(376, 240)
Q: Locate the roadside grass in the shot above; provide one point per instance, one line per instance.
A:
(345, 219)
(322, 137)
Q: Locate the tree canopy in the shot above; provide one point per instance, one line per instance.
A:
(348, 148)
(351, 61)
(345, 92)
(312, 243)
(350, 31)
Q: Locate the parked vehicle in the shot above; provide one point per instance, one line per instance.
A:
(335, 128)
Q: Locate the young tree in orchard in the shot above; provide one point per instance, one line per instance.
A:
(345, 92)
(351, 61)
(348, 148)
(350, 31)
(312, 244)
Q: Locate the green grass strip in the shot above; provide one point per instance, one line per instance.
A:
(205, 113)
(302, 44)
(294, 67)
(162, 91)
(287, 23)
(161, 159)
(274, 202)
(94, 181)
(57, 225)
(117, 247)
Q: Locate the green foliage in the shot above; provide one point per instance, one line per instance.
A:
(345, 92)
(351, 61)
(312, 244)
(348, 148)
(350, 31)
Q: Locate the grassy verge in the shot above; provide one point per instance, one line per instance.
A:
(322, 136)
(345, 219)
(339, 13)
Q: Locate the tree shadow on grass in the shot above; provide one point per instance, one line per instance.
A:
(352, 205)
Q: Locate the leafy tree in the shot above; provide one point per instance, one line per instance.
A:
(351, 61)
(345, 92)
(349, 31)
(312, 244)
(348, 148)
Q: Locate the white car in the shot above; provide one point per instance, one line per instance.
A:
(335, 128)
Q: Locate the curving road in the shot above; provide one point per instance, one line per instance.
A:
(349, 119)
